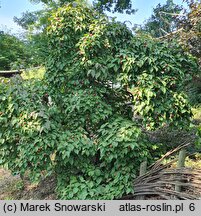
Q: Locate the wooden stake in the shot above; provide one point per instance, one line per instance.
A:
(143, 169)
(180, 164)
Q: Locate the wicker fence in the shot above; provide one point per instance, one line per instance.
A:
(162, 181)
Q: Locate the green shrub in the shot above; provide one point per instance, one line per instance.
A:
(23, 119)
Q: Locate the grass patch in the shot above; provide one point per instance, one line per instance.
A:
(36, 73)
(195, 162)
(197, 113)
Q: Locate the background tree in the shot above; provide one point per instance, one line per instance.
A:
(191, 25)
(119, 6)
(14, 52)
(164, 19)
(190, 38)
(100, 5)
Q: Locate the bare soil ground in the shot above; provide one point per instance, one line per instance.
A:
(14, 188)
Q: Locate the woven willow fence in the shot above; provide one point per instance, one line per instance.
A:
(164, 182)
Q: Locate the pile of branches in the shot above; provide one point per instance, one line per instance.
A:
(161, 179)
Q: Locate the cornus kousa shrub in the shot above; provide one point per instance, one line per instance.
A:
(87, 136)
(96, 66)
